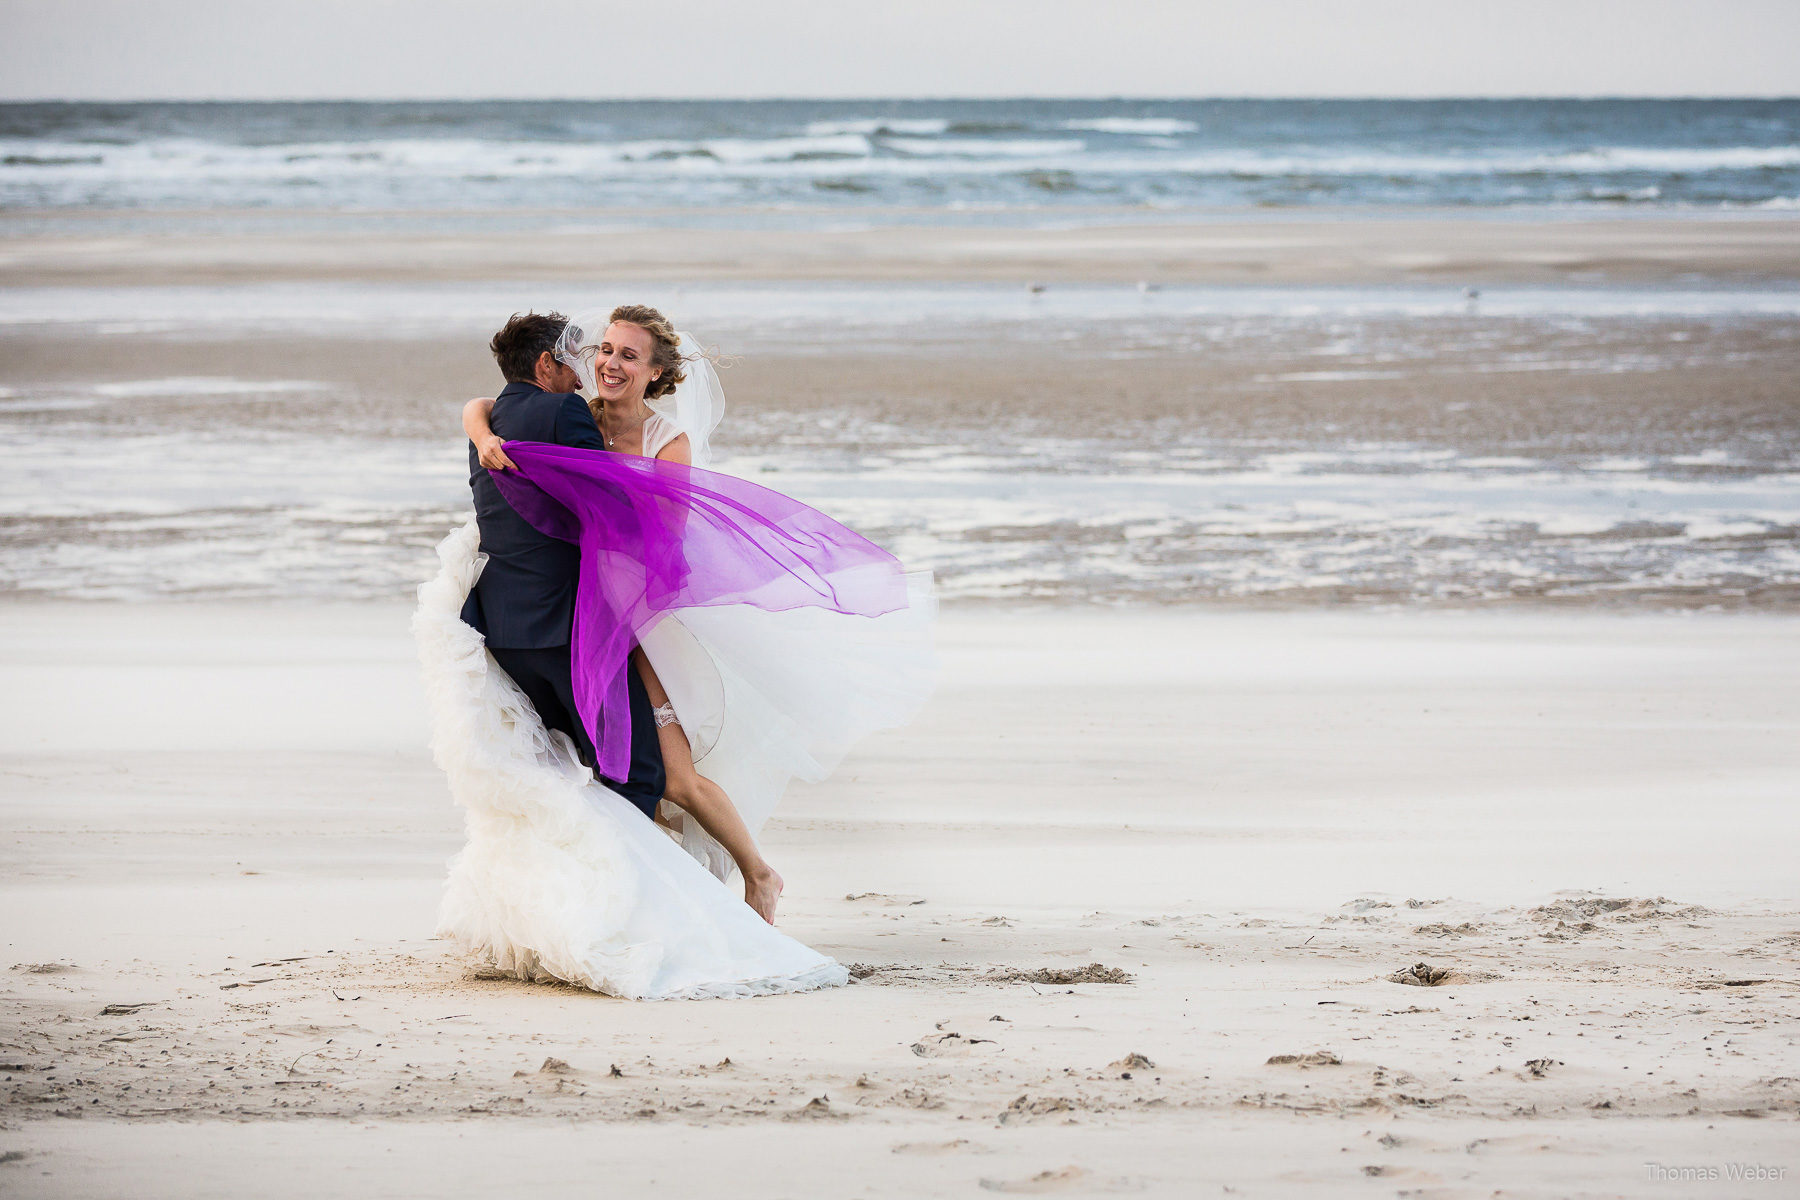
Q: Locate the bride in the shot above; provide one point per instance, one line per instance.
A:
(769, 638)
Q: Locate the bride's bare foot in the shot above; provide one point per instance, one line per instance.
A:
(761, 891)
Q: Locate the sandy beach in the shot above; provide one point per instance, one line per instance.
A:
(1126, 906)
(1365, 760)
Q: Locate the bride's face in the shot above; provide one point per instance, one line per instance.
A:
(622, 368)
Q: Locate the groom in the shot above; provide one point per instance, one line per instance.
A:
(524, 600)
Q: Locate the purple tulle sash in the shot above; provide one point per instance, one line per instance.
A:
(656, 536)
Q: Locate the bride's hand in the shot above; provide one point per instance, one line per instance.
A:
(489, 450)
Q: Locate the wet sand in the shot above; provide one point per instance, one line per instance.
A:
(1468, 458)
(222, 976)
(1257, 444)
(1480, 385)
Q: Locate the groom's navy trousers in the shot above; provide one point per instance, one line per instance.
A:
(524, 601)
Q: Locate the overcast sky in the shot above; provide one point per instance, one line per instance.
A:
(242, 49)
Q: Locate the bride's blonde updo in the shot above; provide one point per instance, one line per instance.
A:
(667, 345)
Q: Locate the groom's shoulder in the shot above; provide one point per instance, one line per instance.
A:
(565, 404)
(529, 401)
(531, 396)
(575, 422)
(526, 411)
(517, 393)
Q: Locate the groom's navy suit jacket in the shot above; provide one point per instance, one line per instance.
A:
(524, 600)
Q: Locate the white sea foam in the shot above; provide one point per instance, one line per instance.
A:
(47, 404)
(800, 317)
(987, 148)
(1712, 527)
(772, 150)
(872, 126)
(223, 515)
(191, 385)
(1330, 376)
(1611, 160)
(1157, 126)
(1499, 462)
(190, 161)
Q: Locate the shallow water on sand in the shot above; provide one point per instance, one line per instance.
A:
(1297, 445)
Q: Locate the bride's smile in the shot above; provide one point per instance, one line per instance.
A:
(623, 367)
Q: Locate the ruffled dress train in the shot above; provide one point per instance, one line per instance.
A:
(562, 878)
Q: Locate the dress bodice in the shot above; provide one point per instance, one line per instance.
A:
(659, 431)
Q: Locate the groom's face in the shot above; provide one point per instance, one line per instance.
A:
(554, 376)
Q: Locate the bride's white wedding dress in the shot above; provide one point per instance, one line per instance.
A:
(562, 878)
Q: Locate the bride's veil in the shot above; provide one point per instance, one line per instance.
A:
(697, 404)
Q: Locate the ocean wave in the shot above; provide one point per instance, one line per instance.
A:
(192, 160)
(877, 126)
(186, 159)
(1614, 160)
(953, 156)
(985, 148)
(970, 127)
(801, 149)
(50, 160)
(1153, 126)
(1670, 159)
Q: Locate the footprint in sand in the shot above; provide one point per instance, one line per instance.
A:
(1318, 1058)
(1133, 1062)
(892, 901)
(1062, 1179)
(952, 1045)
(1425, 975)
(958, 1146)
(1092, 973)
(311, 1030)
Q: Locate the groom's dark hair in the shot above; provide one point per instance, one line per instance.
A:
(522, 339)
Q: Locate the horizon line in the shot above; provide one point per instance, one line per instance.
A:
(920, 99)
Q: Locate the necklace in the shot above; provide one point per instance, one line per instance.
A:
(611, 438)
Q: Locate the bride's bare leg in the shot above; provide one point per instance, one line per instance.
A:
(707, 802)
